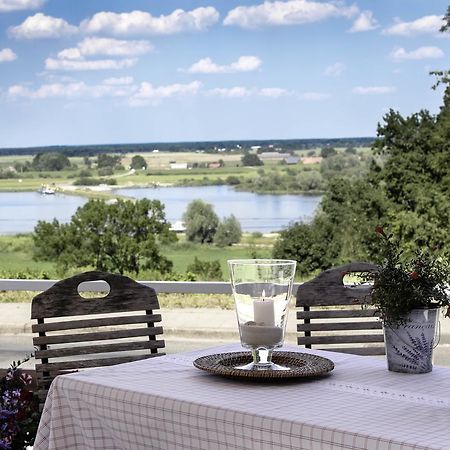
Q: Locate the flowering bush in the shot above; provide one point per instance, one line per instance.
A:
(402, 284)
(19, 409)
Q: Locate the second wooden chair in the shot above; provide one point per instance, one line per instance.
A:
(331, 315)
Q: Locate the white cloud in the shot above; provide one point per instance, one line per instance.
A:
(61, 90)
(335, 69)
(233, 92)
(147, 93)
(119, 81)
(141, 22)
(374, 90)
(430, 52)
(42, 26)
(423, 25)
(105, 46)
(314, 96)
(240, 92)
(18, 5)
(291, 12)
(273, 92)
(71, 90)
(243, 64)
(99, 64)
(7, 55)
(364, 22)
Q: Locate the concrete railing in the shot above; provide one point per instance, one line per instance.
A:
(167, 287)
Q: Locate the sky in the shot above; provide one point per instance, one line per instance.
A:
(76, 72)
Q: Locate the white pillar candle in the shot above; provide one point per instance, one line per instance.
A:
(263, 336)
(264, 312)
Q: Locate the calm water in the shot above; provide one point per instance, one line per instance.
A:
(20, 211)
(255, 212)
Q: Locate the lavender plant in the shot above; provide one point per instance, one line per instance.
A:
(19, 409)
(402, 284)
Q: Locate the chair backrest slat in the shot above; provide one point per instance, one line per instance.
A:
(338, 326)
(332, 314)
(336, 313)
(74, 332)
(100, 322)
(62, 367)
(97, 336)
(95, 349)
(124, 295)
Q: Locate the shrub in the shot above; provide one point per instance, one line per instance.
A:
(206, 270)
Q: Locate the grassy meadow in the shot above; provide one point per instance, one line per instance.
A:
(16, 261)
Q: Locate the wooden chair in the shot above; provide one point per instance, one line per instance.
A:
(332, 317)
(66, 343)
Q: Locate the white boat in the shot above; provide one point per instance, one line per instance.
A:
(178, 226)
(47, 190)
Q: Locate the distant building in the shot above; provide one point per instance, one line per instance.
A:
(175, 165)
(255, 147)
(311, 159)
(291, 160)
(271, 156)
(214, 165)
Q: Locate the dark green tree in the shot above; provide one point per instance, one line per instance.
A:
(228, 232)
(120, 237)
(200, 221)
(326, 152)
(105, 160)
(52, 161)
(250, 159)
(138, 162)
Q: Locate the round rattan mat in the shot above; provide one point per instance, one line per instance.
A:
(301, 365)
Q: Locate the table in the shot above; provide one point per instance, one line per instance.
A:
(166, 403)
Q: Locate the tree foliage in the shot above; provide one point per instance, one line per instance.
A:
(326, 152)
(104, 160)
(206, 270)
(201, 222)
(51, 161)
(250, 159)
(138, 162)
(228, 232)
(120, 237)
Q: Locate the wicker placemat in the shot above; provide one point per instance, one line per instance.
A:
(301, 365)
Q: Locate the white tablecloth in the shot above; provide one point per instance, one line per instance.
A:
(166, 403)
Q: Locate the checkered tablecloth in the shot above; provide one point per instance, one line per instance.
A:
(166, 403)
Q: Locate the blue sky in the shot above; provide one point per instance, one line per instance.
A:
(116, 71)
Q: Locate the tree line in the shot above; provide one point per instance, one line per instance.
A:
(207, 146)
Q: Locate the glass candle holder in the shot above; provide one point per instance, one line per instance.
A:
(262, 289)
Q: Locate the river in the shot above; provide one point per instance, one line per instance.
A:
(20, 211)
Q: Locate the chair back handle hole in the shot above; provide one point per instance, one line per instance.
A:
(352, 279)
(93, 289)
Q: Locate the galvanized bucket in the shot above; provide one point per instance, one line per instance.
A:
(409, 347)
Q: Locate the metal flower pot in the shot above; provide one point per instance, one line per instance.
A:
(409, 347)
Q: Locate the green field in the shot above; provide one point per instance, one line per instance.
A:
(16, 261)
(16, 255)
